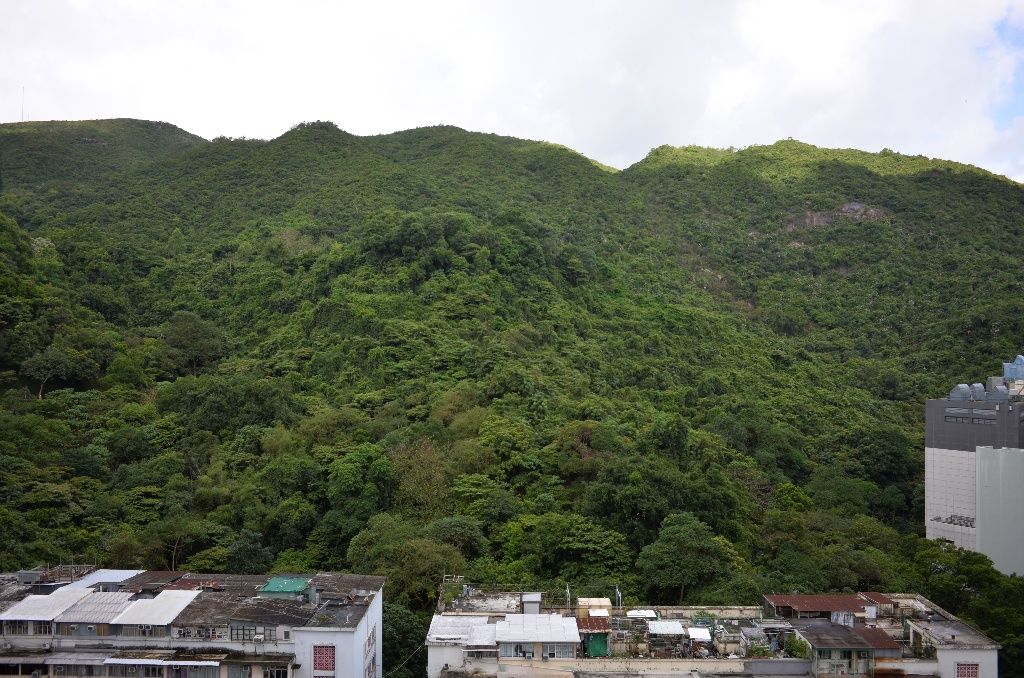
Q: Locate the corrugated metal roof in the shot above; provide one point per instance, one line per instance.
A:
(96, 608)
(453, 628)
(818, 603)
(699, 634)
(44, 608)
(103, 577)
(537, 628)
(877, 638)
(665, 628)
(159, 611)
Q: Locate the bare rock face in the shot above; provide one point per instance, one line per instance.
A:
(857, 211)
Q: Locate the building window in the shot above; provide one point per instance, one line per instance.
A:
(245, 632)
(558, 650)
(275, 671)
(846, 654)
(16, 628)
(957, 420)
(287, 635)
(239, 671)
(323, 658)
(966, 670)
(152, 672)
(516, 650)
(42, 628)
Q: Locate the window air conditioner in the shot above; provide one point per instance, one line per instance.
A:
(90, 628)
(258, 638)
(73, 627)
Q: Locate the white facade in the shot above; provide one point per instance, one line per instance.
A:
(188, 633)
(951, 490)
(357, 651)
(1000, 492)
(962, 663)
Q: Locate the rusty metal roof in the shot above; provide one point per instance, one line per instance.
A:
(818, 603)
(876, 598)
(877, 638)
(593, 625)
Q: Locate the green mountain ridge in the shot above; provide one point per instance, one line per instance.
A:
(445, 351)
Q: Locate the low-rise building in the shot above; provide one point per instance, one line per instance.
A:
(133, 624)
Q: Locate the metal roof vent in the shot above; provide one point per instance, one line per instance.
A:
(961, 392)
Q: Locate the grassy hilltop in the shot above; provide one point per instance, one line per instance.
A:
(700, 378)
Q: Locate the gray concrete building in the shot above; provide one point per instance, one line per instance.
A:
(974, 467)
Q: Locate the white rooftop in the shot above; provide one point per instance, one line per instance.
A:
(642, 614)
(665, 628)
(700, 634)
(96, 608)
(103, 577)
(599, 612)
(44, 608)
(481, 636)
(536, 628)
(159, 611)
(593, 602)
(454, 629)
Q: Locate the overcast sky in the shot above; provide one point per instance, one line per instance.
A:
(610, 79)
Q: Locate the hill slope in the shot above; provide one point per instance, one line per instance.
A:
(439, 351)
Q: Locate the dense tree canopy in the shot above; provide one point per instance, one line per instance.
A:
(699, 379)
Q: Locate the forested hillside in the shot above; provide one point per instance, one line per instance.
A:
(699, 379)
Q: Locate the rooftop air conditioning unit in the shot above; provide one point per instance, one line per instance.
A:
(258, 638)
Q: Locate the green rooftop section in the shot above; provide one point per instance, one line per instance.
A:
(286, 585)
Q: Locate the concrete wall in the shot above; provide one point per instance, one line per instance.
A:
(987, 661)
(950, 481)
(778, 667)
(439, 655)
(523, 667)
(1000, 493)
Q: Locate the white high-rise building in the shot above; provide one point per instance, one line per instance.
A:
(974, 468)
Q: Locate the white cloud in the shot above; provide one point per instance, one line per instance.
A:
(611, 79)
